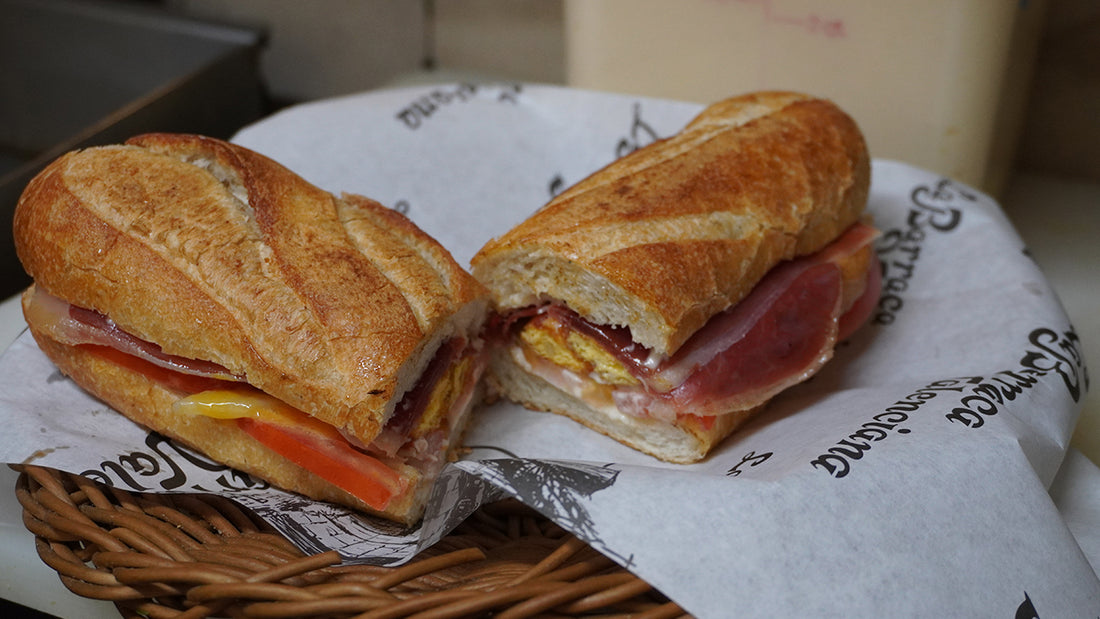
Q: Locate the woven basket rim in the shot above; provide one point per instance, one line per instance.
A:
(190, 556)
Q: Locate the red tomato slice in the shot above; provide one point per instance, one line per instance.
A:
(309, 443)
(334, 460)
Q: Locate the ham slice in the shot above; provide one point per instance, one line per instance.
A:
(778, 336)
(76, 326)
(398, 438)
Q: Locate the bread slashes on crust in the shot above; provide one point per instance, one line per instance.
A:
(334, 305)
(667, 238)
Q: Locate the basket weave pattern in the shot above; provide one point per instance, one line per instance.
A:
(191, 556)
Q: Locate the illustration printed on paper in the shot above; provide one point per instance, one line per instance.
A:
(640, 134)
(559, 490)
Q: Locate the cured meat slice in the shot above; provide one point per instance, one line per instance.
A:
(778, 336)
(74, 326)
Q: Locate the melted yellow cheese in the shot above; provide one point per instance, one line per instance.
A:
(574, 351)
(234, 404)
(229, 404)
(443, 397)
(545, 342)
(607, 368)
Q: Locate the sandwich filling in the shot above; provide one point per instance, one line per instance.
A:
(779, 335)
(418, 433)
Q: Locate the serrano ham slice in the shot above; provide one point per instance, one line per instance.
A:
(77, 326)
(74, 325)
(778, 336)
(710, 252)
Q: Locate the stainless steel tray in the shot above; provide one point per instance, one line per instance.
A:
(81, 73)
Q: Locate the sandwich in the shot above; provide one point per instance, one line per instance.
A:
(666, 298)
(322, 343)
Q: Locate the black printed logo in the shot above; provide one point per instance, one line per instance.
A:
(421, 109)
(639, 135)
(936, 208)
(1026, 609)
(751, 459)
(1050, 355)
(837, 460)
(166, 464)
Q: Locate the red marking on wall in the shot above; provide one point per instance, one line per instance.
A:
(832, 27)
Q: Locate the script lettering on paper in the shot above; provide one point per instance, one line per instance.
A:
(936, 208)
(837, 460)
(1051, 355)
(417, 112)
(751, 459)
(1026, 609)
(167, 466)
(639, 135)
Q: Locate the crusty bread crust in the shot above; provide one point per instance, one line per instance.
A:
(150, 405)
(671, 234)
(687, 440)
(331, 304)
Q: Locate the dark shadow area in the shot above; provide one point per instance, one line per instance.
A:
(83, 73)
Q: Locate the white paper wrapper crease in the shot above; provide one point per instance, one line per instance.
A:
(909, 477)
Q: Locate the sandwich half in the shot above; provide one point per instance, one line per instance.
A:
(669, 296)
(323, 343)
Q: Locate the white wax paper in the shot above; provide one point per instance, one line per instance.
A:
(908, 478)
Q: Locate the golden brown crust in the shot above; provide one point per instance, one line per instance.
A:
(666, 237)
(332, 304)
(150, 405)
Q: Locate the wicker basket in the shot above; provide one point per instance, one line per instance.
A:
(197, 556)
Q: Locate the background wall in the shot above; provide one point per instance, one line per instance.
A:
(1062, 129)
(323, 48)
(1044, 117)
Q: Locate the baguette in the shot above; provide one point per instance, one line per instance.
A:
(214, 255)
(662, 242)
